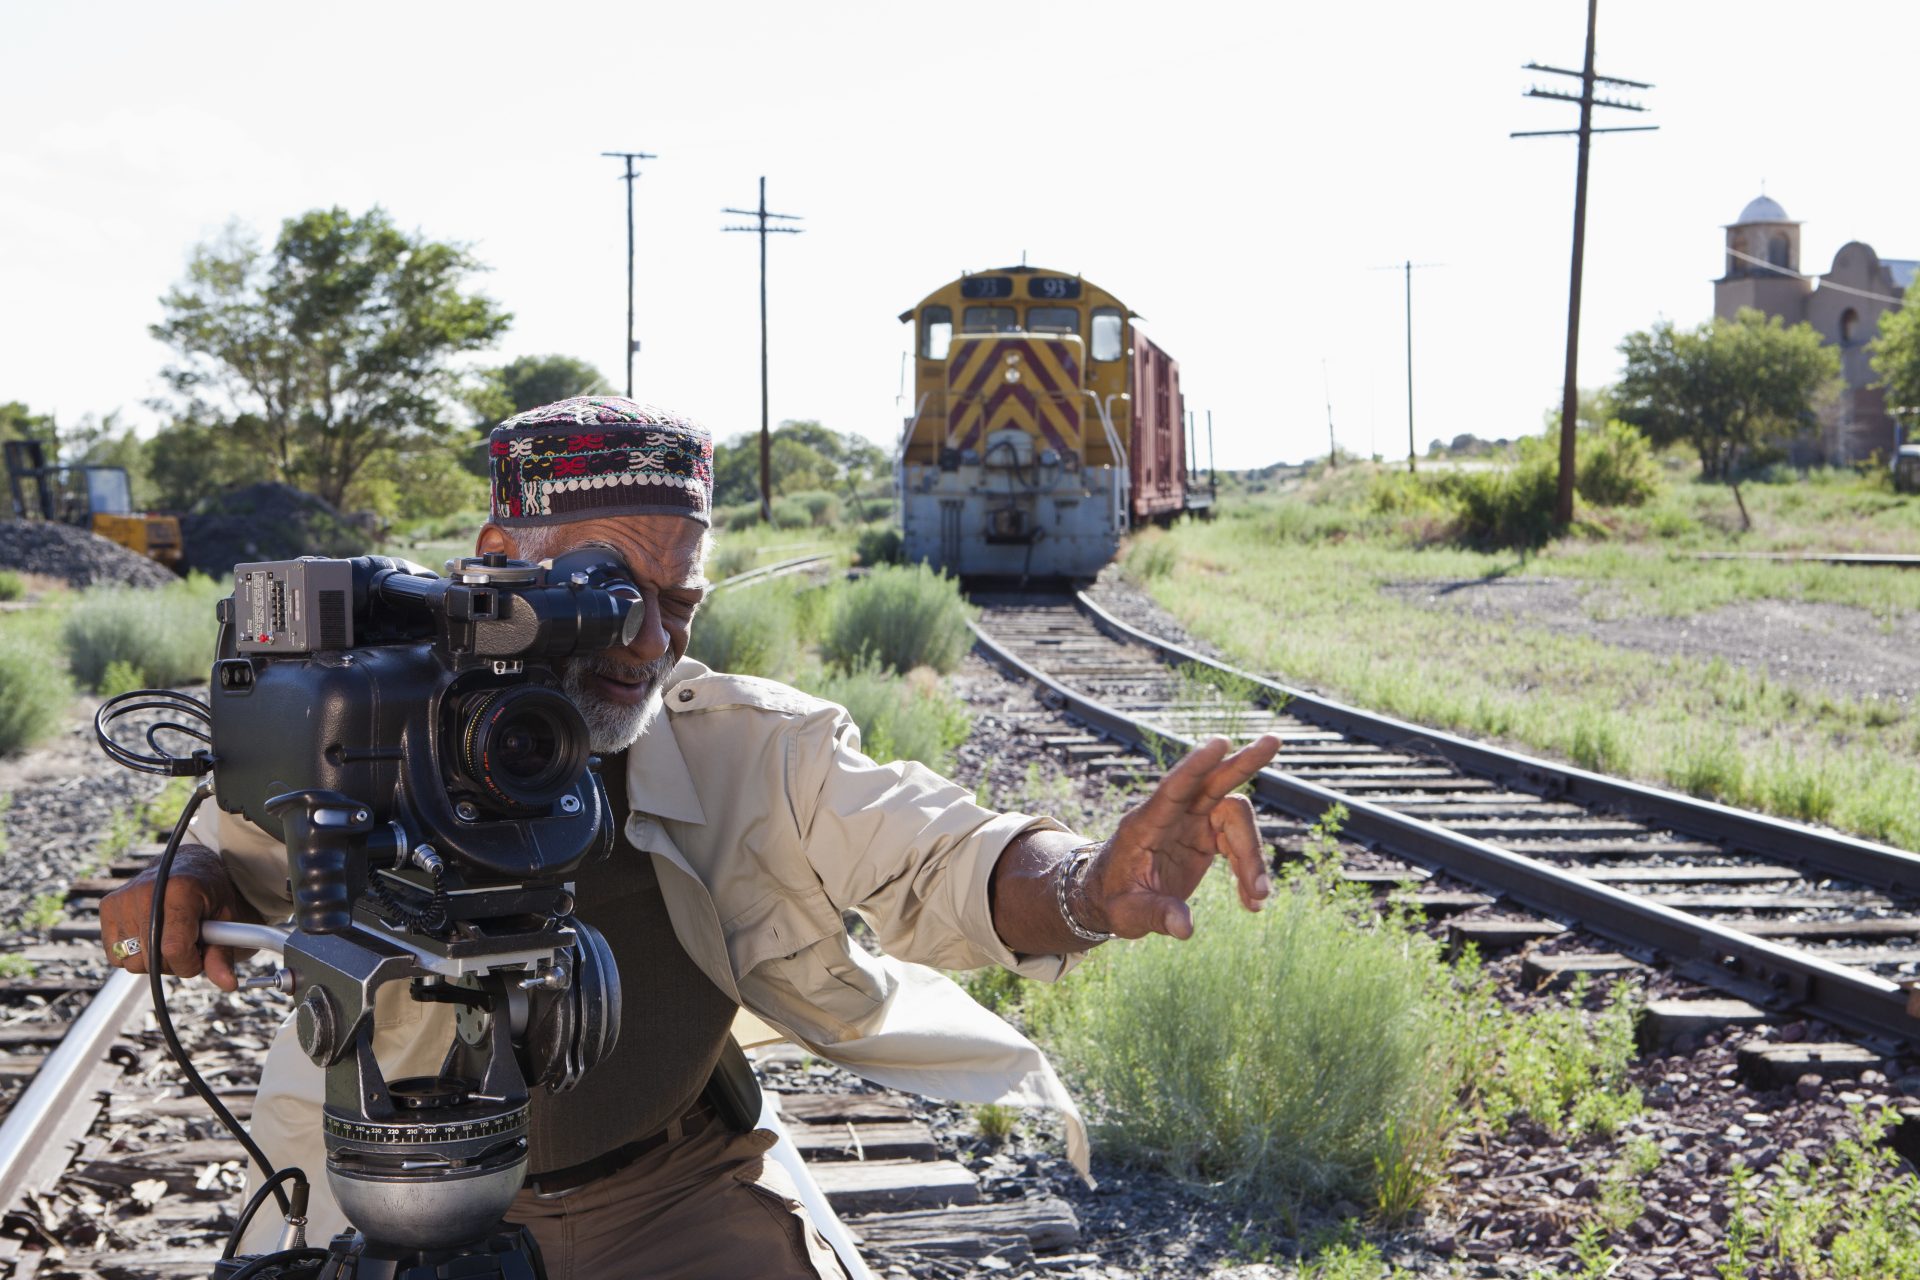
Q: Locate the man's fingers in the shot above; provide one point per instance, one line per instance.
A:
(1232, 771)
(180, 939)
(1182, 784)
(220, 970)
(1238, 837)
(1176, 921)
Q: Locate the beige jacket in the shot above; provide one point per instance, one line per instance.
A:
(764, 822)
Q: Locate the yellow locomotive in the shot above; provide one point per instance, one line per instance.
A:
(1044, 426)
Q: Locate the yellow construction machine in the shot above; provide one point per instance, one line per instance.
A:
(95, 498)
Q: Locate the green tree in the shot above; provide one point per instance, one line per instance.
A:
(804, 455)
(330, 350)
(17, 422)
(1896, 358)
(1724, 386)
(531, 381)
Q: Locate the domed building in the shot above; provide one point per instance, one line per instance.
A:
(1844, 306)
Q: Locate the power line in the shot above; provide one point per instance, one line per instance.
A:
(628, 177)
(1824, 283)
(1587, 100)
(761, 228)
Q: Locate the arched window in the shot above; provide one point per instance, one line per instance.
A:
(1849, 320)
(1779, 251)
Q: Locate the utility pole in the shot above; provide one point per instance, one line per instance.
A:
(761, 228)
(628, 177)
(1570, 395)
(1333, 450)
(1409, 267)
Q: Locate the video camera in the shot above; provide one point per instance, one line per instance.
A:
(407, 737)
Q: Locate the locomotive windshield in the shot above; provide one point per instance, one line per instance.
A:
(990, 320)
(1107, 325)
(1053, 320)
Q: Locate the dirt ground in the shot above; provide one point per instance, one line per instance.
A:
(1842, 649)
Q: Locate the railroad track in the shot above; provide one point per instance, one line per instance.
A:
(1780, 915)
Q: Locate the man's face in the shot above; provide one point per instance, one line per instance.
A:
(618, 690)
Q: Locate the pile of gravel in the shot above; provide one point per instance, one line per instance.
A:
(79, 557)
(266, 522)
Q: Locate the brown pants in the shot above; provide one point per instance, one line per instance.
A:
(705, 1208)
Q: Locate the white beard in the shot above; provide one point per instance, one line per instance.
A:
(612, 726)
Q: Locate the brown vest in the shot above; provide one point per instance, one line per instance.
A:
(673, 1022)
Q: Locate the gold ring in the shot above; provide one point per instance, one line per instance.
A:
(124, 948)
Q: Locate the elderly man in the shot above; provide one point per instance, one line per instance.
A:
(749, 821)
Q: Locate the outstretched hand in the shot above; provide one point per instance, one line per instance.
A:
(1140, 881)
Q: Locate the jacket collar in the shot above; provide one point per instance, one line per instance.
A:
(658, 782)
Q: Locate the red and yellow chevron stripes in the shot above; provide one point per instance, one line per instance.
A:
(1029, 382)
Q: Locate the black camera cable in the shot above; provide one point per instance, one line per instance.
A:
(161, 1015)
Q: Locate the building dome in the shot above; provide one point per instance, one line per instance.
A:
(1762, 209)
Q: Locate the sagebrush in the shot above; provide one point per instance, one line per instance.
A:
(916, 718)
(34, 693)
(166, 635)
(899, 617)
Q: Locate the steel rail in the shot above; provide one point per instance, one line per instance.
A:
(1750, 967)
(777, 569)
(1882, 866)
(1870, 559)
(33, 1126)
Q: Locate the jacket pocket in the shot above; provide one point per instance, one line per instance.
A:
(781, 923)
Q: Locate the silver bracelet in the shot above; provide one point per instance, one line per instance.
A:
(1068, 869)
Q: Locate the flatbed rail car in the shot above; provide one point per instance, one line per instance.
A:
(1044, 426)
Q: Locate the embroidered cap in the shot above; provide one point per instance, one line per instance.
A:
(595, 456)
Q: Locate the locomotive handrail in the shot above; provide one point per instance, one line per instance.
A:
(900, 455)
(912, 422)
(1120, 472)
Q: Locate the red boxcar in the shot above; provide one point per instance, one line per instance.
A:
(1157, 451)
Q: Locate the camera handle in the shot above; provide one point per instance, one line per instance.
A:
(320, 829)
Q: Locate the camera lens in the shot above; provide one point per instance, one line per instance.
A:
(525, 747)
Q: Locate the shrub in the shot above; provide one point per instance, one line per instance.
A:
(822, 508)
(743, 515)
(900, 617)
(791, 513)
(121, 677)
(1615, 467)
(34, 691)
(912, 719)
(748, 631)
(1568, 1070)
(12, 585)
(878, 545)
(1309, 1052)
(732, 558)
(1507, 506)
(168, 634)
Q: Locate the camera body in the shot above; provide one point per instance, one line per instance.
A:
(409, 740)
(434, 700)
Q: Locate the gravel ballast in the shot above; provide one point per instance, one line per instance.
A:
(77, 557)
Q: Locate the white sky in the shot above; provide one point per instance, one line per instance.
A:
(1232, 172)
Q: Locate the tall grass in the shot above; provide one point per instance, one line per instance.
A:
(167, 635)
(899, 617)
